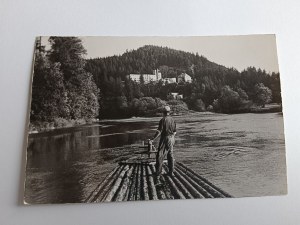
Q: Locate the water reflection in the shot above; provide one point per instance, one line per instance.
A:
(62, 163)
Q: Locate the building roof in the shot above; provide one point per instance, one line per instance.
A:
(183, 75)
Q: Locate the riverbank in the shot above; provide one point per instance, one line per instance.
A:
(38, 126)
(43, 126)
(270, 108)
(253, 108)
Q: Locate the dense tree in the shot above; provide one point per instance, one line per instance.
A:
(178, 106)
(82, 96)
(199, 105)
(229, 100)
(48, 91)
(146, 106)
(243, 95)
(273, 83)
(263, 94)
(69, 52)
(61, 85)
(82, 93)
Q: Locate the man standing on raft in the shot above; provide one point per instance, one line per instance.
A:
(167, 131)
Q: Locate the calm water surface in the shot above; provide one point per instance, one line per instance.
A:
(243, 154)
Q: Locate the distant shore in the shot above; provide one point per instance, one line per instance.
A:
(267, 109)
(39, 127)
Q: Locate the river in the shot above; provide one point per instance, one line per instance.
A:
(243, 154)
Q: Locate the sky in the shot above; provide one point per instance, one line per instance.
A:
(239, 51)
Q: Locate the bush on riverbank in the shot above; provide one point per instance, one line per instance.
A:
(146, 106)
(38, 126)
(178, 107)
(231, 101)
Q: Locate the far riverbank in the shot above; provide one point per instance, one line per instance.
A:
(44, 126)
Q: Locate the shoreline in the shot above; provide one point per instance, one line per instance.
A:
(44, 127)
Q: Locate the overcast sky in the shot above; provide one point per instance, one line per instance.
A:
(239, 52)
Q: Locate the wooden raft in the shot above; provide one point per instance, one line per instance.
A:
(131, 181)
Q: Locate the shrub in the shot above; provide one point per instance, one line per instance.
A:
(146, 106)
(263, 94)
(229, 100)
(199, 105)
(216, 105)
(178, 106)
(210, 108)
(61, 122)
(243, 95)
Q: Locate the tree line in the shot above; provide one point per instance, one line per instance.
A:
(214, 86)
(68, 87)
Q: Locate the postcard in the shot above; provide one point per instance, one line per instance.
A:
(153, 118)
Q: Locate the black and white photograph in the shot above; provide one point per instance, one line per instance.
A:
(116, 119)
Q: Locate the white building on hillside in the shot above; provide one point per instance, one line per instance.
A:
(169, 80)
(134, 77)
(175, 95)
(156, 76)
(184, 77)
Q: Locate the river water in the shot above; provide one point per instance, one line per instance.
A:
(243, 154)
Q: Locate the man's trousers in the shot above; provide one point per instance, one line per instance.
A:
(165, 148)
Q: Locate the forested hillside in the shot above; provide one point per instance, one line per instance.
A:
(214, 86)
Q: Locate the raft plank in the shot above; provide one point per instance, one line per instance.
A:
(182, 188)
(166, 186)
(95, 194)
(138, 184)
(188, 186)
(101, 195)
(177, 187)
(138, 181)
(151, 184)
(116, 185)
(130, 183)
(225, 194)
(120, 195)
(209, 189)
(145, 195)
(195, 185)
(161, 195)
(132, 191)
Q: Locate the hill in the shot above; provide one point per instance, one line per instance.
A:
(143, 60)
(209, 78)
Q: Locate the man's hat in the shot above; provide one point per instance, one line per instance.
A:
(167, 109)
